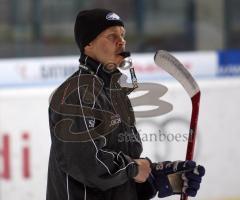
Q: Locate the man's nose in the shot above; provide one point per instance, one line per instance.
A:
(121, 42)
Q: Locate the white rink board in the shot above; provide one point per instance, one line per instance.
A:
(25, 110)
(217, 145)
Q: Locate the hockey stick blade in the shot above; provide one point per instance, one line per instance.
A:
(170, 64)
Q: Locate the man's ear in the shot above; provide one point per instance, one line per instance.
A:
(88, 47)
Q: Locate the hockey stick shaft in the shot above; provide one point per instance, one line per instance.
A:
(193, 126)
(192, 131)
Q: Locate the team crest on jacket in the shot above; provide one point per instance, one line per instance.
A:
(112, 16)
(116, 119)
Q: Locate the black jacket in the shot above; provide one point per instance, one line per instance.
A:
(94, 139)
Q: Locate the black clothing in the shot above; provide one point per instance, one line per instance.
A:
(94, 138)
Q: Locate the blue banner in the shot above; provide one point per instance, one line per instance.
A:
(229, 63)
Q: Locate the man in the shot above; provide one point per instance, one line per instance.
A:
(89, 113)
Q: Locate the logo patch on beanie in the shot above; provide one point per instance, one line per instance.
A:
(112, 16)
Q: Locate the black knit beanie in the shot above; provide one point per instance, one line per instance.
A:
(90, 23)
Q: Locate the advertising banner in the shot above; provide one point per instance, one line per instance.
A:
(229, 63)
(54, 70)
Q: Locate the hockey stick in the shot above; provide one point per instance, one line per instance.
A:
(170, 64)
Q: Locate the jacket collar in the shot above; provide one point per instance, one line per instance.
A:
(97, 68)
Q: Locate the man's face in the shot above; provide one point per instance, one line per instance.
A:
(107, 46)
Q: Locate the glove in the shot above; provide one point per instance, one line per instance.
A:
(192, 179)
(177, 177)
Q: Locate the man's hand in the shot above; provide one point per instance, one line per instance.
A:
(177, 177)
(144, 169)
